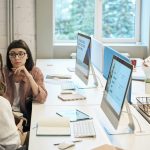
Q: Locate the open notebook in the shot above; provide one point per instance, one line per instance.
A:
(54, 126)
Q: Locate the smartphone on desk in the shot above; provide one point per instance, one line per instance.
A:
(74, 115)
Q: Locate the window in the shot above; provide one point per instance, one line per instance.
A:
(108, 20)
(72, 16)
(120, 19)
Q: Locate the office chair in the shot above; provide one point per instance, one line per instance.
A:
(24, 147)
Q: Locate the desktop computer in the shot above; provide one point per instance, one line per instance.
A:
(84, 70)
(108, 56)
(114, 97)
(83, 61)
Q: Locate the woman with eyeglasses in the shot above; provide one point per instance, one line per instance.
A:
(24, 81)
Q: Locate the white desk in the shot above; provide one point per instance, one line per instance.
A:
(129, 141)
(126, 141)
(59, 66)
(91, 106)
(46, 142)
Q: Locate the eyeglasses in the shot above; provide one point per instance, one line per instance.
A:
(19, 54)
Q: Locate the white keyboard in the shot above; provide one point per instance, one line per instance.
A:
(67, 85)
(84, 128)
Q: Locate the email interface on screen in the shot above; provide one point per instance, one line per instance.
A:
(117, 84)
(83, 55)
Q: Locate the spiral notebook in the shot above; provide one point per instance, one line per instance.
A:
(71, 97)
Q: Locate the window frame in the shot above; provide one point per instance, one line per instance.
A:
(98, 27)
(63, 42)
(118, 40)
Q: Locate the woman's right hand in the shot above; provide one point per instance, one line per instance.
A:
(20, 125)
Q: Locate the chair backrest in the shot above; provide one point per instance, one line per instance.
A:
(24, 147)
(2, 78)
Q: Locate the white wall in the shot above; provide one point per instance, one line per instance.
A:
(44, 28)
(3, 36)
(24, 24)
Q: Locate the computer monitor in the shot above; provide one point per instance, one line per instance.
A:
(108, 56)
(83, 54)
(97, 54)
(114, 96)
(83, 60)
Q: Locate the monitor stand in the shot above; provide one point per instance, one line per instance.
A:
(92, 83)
(124, 127)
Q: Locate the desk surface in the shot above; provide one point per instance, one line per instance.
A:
(91, 106)
(46, 142)
(59, 66)
(126, 141)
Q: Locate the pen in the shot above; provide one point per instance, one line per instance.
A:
(58, 114)
(49, 64)
(66, 92)
(56, 144)
(74, 141)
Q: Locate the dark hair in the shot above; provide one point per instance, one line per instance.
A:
(20, 44)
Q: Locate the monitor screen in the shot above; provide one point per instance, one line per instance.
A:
(83, 53)
(108, 56)
(115, 90)
(97, 50)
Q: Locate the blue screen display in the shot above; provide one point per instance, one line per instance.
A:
(117, 84)
(108, 56)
